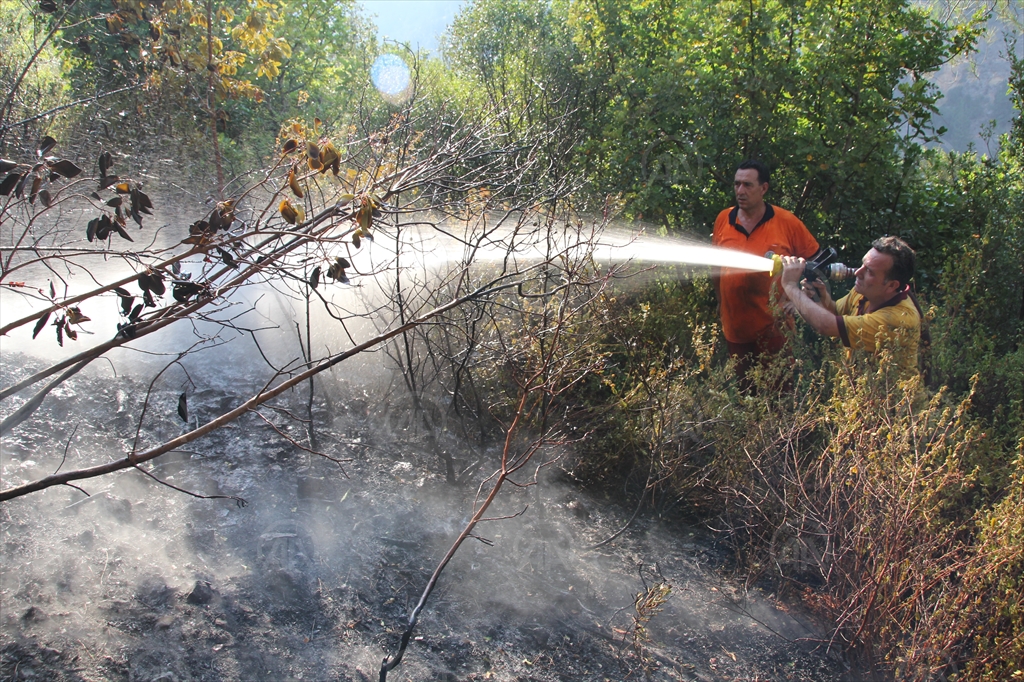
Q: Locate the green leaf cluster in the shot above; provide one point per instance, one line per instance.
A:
(672, 94)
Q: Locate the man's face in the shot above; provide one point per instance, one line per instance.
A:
(749, 189)
(872, 282)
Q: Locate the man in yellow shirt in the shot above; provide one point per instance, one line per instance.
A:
(880, 311)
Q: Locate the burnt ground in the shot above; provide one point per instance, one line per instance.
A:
(314, 578)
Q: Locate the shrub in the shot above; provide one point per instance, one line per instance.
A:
(891, 511)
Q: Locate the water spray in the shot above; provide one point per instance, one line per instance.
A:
(823, 266)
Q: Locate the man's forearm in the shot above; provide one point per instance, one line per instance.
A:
(820, 318)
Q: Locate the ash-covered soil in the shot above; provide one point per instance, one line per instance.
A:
(315, 576)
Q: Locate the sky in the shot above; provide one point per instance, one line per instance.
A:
(417, 22)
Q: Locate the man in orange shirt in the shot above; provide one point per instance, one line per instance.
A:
(754, 226)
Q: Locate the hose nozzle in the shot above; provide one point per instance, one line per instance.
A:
(838, 271)
(823, 266)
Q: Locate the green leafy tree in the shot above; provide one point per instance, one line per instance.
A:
(179, 56)
(323, 74)
(832, 95)
(30, 66)
(519, 53)
(330, 47)
(518, 58)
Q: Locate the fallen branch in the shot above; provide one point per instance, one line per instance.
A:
(134, 459)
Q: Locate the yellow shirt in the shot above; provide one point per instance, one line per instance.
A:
(896, 326)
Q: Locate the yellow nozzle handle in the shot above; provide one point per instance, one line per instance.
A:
(776, 264)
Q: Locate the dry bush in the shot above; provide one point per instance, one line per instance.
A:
(986, 616)
(888, 510)
(855, 492)
(648, 408)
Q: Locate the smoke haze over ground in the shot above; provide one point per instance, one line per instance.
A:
(303, 568)
(314, 577)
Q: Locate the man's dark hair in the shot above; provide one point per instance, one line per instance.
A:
(903, 258)
(763, 174)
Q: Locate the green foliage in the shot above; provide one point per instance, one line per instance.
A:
(105, 47)
(519, 54)
(699, 86)
(672, 94)
(225, 45)
(237, 68)
(948, 203)
(515, 61)
(979, 327)
(22, 33)
(324, 74)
